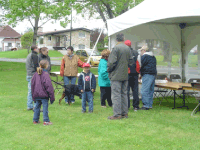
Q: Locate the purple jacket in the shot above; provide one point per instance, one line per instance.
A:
(41, 86)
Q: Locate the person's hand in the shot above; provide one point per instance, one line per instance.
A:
(140, 77)
(51, 102)
(81, 91)
(93, 90)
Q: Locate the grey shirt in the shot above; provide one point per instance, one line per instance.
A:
(118, 61)
(31, 63)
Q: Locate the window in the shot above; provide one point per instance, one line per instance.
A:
(78, 53)
(49, 38)
(83, 53)
(9, 44)
(81, 46)
(81, 34)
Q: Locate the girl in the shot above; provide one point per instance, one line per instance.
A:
(42, 90)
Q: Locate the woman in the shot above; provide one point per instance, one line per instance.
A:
(44, 56)
(69, 69)
(103, 80)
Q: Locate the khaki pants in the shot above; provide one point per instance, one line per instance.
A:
(119, 97)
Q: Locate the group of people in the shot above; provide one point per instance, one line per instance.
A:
(118, 72)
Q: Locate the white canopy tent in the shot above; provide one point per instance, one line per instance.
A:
(174, 21)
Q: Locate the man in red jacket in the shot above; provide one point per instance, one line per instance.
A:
(133, 72)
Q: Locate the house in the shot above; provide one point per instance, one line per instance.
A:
(9, 38)
(80, 38)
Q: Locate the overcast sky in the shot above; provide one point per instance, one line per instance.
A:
(78, 22)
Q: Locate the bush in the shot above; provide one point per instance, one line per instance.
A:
(27, 40)
(101, 49)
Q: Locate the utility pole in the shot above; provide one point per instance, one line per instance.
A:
(71, 29)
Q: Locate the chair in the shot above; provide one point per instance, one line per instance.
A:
(57, 86)
(192, 80)
(175, 78)
(196, 86)
(160, 91)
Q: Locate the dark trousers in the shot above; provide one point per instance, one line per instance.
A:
(106, 94)
(133, 84)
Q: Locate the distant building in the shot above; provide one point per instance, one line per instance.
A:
(9, 38)
(80, 38)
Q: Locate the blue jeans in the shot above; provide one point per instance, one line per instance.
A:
(29, 97)
(66, 81)
(40, 102)
(87, 96)
(147, 90)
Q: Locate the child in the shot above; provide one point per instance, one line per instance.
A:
(87, 85)
(42, 90)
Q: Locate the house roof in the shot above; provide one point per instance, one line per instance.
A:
(61, 31)
(7, 31)
(11, 40)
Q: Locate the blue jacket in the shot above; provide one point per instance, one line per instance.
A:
(148, 64)
(81, 81)
(103, 78)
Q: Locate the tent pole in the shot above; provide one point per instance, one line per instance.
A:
(182, 26)
(95, 45)
(198, 54)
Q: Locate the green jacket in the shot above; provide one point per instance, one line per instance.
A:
(103, 79)
(118, 61)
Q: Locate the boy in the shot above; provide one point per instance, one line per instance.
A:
(87, 85)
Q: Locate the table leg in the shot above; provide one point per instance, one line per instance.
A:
(183, 101)
(174, 99)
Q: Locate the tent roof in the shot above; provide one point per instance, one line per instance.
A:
(157, 11)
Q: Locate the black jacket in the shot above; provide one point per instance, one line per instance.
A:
(133, 66)
(82, 83)
(148, 64)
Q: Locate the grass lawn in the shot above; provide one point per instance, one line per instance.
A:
(192, 60)
(159, 128)
(23, 54)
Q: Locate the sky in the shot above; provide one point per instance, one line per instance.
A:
(78, 22)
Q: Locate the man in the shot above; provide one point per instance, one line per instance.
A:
(133, 78)
(31, 68)
(69, 69)
(148, 72)
(118, 62)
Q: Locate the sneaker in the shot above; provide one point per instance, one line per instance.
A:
(47, 123)
(114, 117)
(103, 106)
(83, 111)
(90, 111)
(73, 102)
(29, 109)
(135, 109)
(144, 108)
(125, 116)
(36, 122)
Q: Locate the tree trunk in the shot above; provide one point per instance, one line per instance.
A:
(35, 30)
(101, 13)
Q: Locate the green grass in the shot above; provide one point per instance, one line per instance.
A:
(159, 128)
(192, 60)
(23, 54)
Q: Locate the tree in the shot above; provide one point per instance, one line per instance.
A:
(41, 11)
(94, 36)
(27, 40)
(107, 9)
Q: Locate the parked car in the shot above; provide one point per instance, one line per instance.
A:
(85, 54)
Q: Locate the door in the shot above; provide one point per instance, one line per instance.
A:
(57, 41)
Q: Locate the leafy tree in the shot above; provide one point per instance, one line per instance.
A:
(94, 36)
(41, 11)
(27, 40)
(107, 9)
